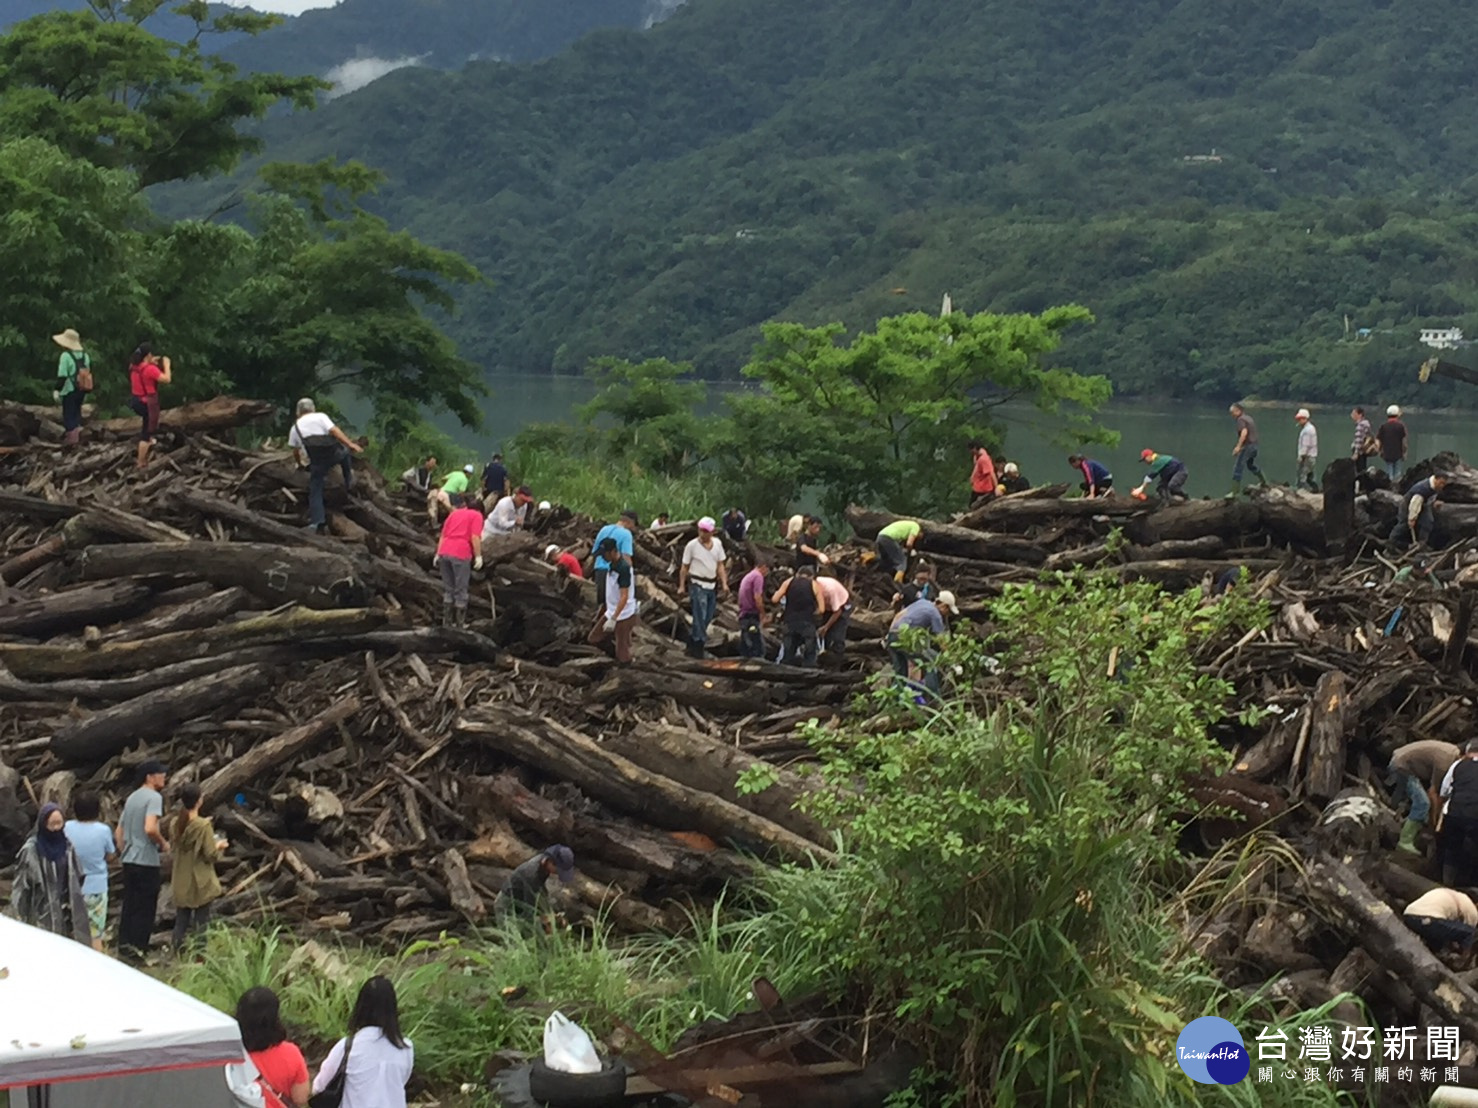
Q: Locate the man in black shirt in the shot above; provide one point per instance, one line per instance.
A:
(1393, 442)
(1458, 843)
(1415, 520)
(518, 902)
(804, 607)
(494, 481)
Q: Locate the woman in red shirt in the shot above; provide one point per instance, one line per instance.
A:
(145, 373)
(457, 555)
(282, 1073)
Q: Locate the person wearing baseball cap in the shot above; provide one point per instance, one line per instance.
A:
(621, 531)
(140, 840)
(927, 615)
(508, 514)
(618, 614)
(703, 577)
(518, 901)
(1393, 441)
(1308, 451)
(1168, 471)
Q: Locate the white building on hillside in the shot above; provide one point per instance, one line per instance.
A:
(1443, 338)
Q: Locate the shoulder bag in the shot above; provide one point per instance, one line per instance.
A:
(323, 449)
(333, 1093)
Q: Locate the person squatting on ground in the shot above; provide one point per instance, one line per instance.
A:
(704, 577)
(320, 446)
(618, 615)
(1097, 480)
(1245, 450)
(47, 891)
(282, 1072)
(417, 480)
(1418, 514)
(517, 904)
(1169, 474)
(93, 841)
(146, 372)
(74, 374)
(458, 553)
(894, 544)
(1419, 768)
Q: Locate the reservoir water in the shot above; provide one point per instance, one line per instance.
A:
(1200, 434)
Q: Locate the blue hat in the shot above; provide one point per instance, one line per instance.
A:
(564, 862)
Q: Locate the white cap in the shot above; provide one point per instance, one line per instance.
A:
(947, 598)
(1302, 413)
(468, 469)
(706, 523)
(1394, 409)
(544, 505)
(1010, 469)
(551, 550)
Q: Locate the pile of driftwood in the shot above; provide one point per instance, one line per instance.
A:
(378, 775)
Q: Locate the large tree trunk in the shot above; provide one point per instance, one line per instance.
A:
(97, 605)
(556, 750)
(1339, 504)
(253, 765)
(309, 577)
(1326, 771)
(217, 414)
(112, 691)
(1017, 513)
(947, 538)
(105, 733)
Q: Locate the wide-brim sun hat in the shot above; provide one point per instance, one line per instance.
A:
(68, 340)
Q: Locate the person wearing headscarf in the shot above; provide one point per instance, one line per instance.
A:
(47, 892)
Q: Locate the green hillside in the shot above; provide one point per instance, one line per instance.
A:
(664, 193)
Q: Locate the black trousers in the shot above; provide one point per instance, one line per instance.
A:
(140, 903)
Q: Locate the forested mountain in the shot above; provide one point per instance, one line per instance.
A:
(1221, 181)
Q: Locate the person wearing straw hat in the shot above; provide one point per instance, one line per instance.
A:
(74, 371)
(1308, 451)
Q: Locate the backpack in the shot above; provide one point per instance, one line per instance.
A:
(82, 379)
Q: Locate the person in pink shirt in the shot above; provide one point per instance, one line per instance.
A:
(838, 604)
(458, 554)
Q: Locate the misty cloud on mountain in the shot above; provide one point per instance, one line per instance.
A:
(358, 72)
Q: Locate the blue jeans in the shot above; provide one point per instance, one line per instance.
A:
(1246, 457)
(704, 603)
(800, 646)
(751, 639)
(1393, 469)
(1421, 803)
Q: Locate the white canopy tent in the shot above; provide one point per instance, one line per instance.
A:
(80, 1030)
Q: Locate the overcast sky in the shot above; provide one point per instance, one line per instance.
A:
(291, 7)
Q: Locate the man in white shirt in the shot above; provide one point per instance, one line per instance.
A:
(1443, 918)
(1308, 451)
(702, 575)
(508, 514)
(320, 446)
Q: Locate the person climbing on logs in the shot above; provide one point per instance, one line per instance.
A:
(1418, 513)
(894, 544)
(1245, 451)
(1168, 472)
(1097, 480)
(1418, 768)
(457, 554)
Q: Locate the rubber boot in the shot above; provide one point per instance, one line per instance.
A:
(1409, 831)
(1262, 478)
(1236, 490)
(459, 618)
(446, 615)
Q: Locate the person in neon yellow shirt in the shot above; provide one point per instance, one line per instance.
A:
(454, 485)
(894, 544)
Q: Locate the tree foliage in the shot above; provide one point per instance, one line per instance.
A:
(646, 414)
(869, 420)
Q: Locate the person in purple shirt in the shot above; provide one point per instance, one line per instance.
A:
(928, 615)
(752, 608)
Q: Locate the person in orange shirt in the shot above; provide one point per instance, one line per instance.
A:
(983, 483)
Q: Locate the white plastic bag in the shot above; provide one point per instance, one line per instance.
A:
(567, 1048)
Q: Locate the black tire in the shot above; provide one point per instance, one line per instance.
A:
(606, 1089)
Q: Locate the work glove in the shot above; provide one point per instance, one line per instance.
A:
(823, 559)
(477, 562)
(610, 625)
(435, 560)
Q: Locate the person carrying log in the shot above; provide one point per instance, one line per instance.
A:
(146, 372)
(453, 484)
(417, 480)
(928, 615)
(1168, 472)
(983, 485)
(74, 371)
(895, 543)
(1097, 480)
(1393, 442)
(1444, 919)
(1458, 841)
(619, 614)
(1419, 768)
(752, 613)
(320, 446)
(836, 604)
(804, 608)
(457, 554)
(1308, 451)
(1418, 514)
(1245, 450)
(517, 904)
(704, 577)
(621, 531)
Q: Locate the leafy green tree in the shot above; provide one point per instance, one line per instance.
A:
(878, 419)
(99, 86)
(654, 408)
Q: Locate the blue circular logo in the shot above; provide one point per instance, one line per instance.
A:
(1211, 1051)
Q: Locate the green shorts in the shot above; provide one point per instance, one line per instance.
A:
(97, 912)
